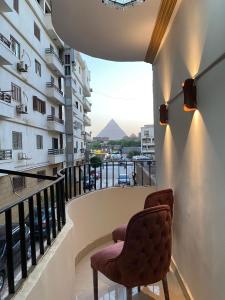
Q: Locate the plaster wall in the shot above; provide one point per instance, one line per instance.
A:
(190, 150)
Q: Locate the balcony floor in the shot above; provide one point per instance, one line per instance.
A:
(108, 290)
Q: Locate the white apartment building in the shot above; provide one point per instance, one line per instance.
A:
(77, 91)
(31, 91)
(148, 141)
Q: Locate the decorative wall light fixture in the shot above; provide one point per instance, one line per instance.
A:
(122, 3)
(190, 95)
(163, 114)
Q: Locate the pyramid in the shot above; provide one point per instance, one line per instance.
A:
(112, 131)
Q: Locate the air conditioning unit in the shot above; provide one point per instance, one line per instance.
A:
(22, 67)
(21, 109)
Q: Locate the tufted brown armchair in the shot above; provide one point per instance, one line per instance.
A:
(144, 257)
(163, 197)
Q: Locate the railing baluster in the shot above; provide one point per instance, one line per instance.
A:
(40, 229)
(47, 228)
(32, 233)
(9, 251)
(126, 171)
(95, 177)
(70, 183)
(23, 246)
(80, 180)
(149, 171)
(58, 210)
(89, 175)
(106, 174)
(101, 176)
(84, 179)
(113, 182)
(66, 184)
(142, 174)
(74, 182)
(134, 177)
(52, 192)
(63, 203)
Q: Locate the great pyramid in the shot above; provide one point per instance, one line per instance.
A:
(112, 131)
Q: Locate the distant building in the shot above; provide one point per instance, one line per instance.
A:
(148, 141)
(100, 139)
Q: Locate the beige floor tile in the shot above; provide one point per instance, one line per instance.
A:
(108, 290)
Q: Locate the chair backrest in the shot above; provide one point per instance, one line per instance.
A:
(146, 255)
(163, 197)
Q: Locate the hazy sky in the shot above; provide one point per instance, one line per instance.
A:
(122, 91)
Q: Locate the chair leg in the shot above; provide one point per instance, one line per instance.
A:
(165, 288)
(129, 294)
(95, 284)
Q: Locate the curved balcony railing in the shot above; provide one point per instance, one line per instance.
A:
(40, 216)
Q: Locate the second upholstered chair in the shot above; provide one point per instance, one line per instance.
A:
(144, 258)
(163, 197)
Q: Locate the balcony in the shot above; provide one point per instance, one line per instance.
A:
(7, 57)
(51, 31)
(87, 105)
(87, 120)
(6, 6)
(54, 62)
(54, 93)
(5, 155)
(7, 110)
(56, 156)
(55, 124)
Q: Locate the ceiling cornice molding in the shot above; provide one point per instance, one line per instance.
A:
(165, 13)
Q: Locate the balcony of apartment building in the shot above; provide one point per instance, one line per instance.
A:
(7, 110)
(87, 120)
(6, 6)
(51, 31)
(56, 156)
(7, 57)
(55, 124)
(87, 105)
(54, 62)
(54, 93)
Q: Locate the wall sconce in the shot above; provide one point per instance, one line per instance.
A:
(163, 114)
(190, 95)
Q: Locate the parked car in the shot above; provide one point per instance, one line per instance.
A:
(36, 230)
(123, 179)
(16, 249)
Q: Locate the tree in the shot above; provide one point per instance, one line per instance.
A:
(132, 153)
(95, 161)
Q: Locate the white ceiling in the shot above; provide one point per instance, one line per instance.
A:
(105, 32)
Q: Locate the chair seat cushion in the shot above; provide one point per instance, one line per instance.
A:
(103, 260)
(119, 233)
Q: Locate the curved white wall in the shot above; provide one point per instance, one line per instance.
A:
(89, 218)
(191, 151)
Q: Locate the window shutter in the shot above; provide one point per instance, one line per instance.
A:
(35, 103)
(44, 107)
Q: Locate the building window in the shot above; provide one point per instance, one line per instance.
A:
(67, 70)
(15, 46)
(54, 171)
(39, 141)
(37, 31)
(16, 92)
(76, 104)
(16, 5)
(19, 183)
(43, 173)
(67, 59)
(37, 68)
(39, 105)
(17, 140)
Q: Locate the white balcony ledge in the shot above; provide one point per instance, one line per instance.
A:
(85, 218)
(54, 94)
(87, 121)
(7, 110)
(6, 6)
(54, 62)
(7, 57)
(56, 125)
(87, 105)
(51, 31)
(56, 156)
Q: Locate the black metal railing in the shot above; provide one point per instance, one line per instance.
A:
(55, 151)
(55, 119)
(5, 40)
(75, 150)
(5, 154)
(51, 51)
(40, 216)
(52, 85)
(4, 96)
